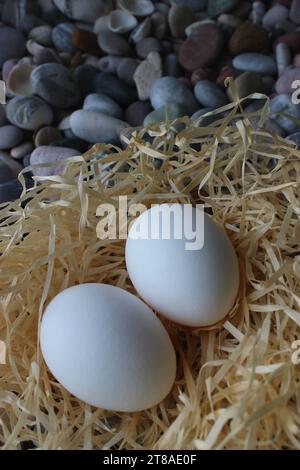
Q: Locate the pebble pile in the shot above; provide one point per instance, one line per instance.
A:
(79, 72)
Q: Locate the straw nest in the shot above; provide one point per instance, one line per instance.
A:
(238, 385)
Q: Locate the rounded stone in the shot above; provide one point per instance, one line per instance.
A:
(295, 11)
(110, 85)
(194, 51)
(137, 112)
(147, 45)
(112, 43)
(180, 17)
(62, 36)
(13, 44)
(53, 155)
(285, 82)
(10, 136)
(20, 151)
(103, 104)
(46, 56)
(209, 94)
(46, 135)
(169, 90)
(85, 76)
(255, 62)
(248, 83)
(87, 10)
(165, 113)
(42, 35)
(274, 15)
(126, 70)
(54, 83)
(29, 113)
(249, 37)
(96, 127)
(217, 7)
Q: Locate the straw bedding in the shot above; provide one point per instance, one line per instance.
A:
(237, 384)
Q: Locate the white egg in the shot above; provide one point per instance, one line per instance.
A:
(106, 347)
(188, 283)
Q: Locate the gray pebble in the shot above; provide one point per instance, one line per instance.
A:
(54, 83)
(96, 127)
(255, 62)
(3, 119)
(5, 175)
(10, 190)
(274, 15)
(126, 70)
(159, 25)
(29, 113)
(46, 56)
(88, 11)
(168, 90)
(258, 11)
(102, 104)
(110, 85)
(112, 43)
(42, 35)
(10, 136)
(147, 45)
(20, 151)
(62, 37)
(168, 112)
(143, 30)
(43, 155)
(283, 57)
(195, 5)
(14, 166)
(283, 104)
(172, 66)
(110, 63)
(46, 135)
(209, 94)
(13, 44)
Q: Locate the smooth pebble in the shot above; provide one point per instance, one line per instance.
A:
(29, 113)
(209, 94)
(53, 155)
(168, 90)
(103, 104)
(96, 127)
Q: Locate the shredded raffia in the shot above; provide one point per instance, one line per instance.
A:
(237, 386)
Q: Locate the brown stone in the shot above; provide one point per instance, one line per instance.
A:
(86, 41)
(202, 48)
(226, 72)
(249, 37)
(201, 74)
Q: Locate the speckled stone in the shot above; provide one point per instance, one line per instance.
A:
(146, 74)
(29, 113)
(54, 83)
(53, 155)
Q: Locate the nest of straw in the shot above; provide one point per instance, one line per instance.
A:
(237, 385)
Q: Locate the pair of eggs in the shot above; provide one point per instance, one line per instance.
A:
(107, 347)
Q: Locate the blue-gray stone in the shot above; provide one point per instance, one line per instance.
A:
(62, 37)
(207, 120)
(110, 85)
(255, 62)
(283, 104)
(6, 173)
(54, 83)
(13, 44)
(169, 90)
(29, 113)
(209, 94)
(217, 7)
(165, 113)
(102, 104)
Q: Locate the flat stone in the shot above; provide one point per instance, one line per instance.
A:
(53, 155)
(254, 62)
(29, 113)
(96, 127)
(54, 83)
(146, 74)
(169, 90)
(103, 104)
(209, 94)
(10, 136)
